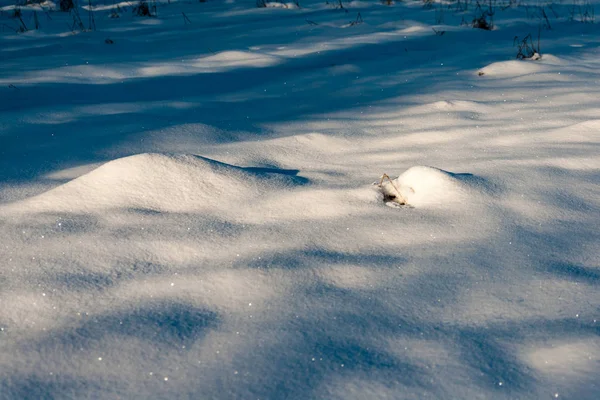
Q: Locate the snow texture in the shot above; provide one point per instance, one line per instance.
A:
(187, 208)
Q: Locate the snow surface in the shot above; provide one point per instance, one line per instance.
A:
(189, 211)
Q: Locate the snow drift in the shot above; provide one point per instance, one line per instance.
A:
(422, 186)
(160, 182)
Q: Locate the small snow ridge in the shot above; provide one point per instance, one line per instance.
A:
(275, 4)
(219, 62)
(161, 182)
(511, 68)
(422, 186)
(237, 59)
(514, 68)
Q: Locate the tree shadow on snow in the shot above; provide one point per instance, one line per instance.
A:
(163, 326)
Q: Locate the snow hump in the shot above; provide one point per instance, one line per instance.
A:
(160, 182)
(422, 186)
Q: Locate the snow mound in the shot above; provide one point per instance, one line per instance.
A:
(422, 186)
(160, 182)
(515, 68)
(512, 68)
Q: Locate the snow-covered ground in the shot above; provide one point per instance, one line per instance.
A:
(192, 204)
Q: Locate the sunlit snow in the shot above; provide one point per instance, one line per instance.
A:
(192, 203)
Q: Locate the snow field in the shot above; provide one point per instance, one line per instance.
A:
(189, 212)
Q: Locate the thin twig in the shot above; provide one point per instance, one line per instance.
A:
(400, 198)
(546, 18)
